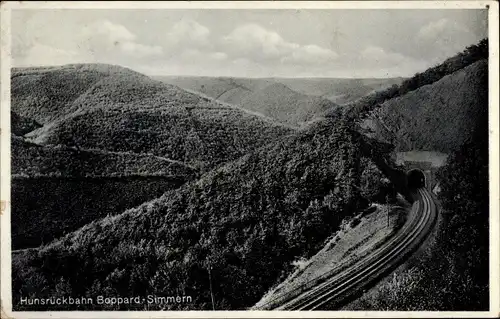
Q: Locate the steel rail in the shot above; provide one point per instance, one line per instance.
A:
(373, 266)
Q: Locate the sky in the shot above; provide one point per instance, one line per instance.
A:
(247, 42)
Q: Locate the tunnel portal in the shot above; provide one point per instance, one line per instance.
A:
(416, 179)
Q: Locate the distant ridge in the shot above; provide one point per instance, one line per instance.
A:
(97, 132)
(116, 109)
(279, 101)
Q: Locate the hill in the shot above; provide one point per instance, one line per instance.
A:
(233, 90)
(244, 222)
(65, 188)
(438, 116)
(225, 89)
(451, 272)
(280, 102)
(43, 94)
(106, 131)
(241, 224)
(211, 86)
(32, 160)
(295, 101)
(200, 137)
(359, 109)
(124, 111)
(339, 90)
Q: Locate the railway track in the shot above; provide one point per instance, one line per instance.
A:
(334, 291)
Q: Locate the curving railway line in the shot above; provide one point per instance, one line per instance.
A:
(336, 290)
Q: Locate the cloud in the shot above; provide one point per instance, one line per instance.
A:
(140, 50)
(443, 38)
(263, 43)
(197, 55)
(311, 54)
(377, 55)
(110, 31)
(382, 62)
(40, 54)
(190, 42)
(442, 29)
(254, 42)
(188, 34)
(98, 41)
(107, 37)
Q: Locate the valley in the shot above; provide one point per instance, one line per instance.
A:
(207, 186)
(293, 101)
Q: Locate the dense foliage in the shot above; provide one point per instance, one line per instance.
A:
(47, 207)
(103, 127)
(450, 106)
(33, 160)
(45, 94)
(375, 187)
(465, 237)
(266, 198)
(65, 188)
(234, 90)
(452, 273)
(134, 113)
(246, 221)
(362, 107)
(287, 106)
(203, 138)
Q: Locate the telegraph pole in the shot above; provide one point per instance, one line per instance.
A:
(388, 209)
(388, 217)
(211, 291)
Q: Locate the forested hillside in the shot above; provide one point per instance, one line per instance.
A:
(65, 188)
(339, 90)
(103, 131)
(245, 222)
(438, 117)
(234, 90)
(288, 100)
(465, 238)
(44, 94)
(452, 273)
(359, 109)
(263, 197)
(200, 137)
(133, 113)
(280, 102)
(59, 161)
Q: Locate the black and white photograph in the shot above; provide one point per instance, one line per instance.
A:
(263, 157)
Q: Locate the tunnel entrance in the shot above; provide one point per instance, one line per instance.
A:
(416, 179)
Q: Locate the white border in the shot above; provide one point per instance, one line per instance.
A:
(5, 252)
